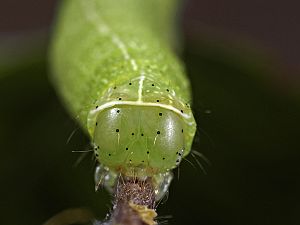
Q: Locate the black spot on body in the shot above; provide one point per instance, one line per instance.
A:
(152, 85)
(142, 134)
(126, 149)
(147, 152)
(97, 106)
(96, 123)
(164, 158)
(109, 154)
(117, 130)
(120, 99)
(130, 83)
(181, 111)
(158, 132)
(182, 131)
(157, 100)
(132, 134)
(167, 90)
(160, 114)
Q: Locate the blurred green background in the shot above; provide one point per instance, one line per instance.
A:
(246, 103)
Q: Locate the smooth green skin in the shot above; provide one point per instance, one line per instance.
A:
(134, 140)
(100, 46)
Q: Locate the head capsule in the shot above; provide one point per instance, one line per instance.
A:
(141, 138)
(149, 138)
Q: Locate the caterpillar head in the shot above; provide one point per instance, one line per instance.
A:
(141, 137)
(145, 137)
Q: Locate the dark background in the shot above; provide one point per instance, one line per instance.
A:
(243, 60)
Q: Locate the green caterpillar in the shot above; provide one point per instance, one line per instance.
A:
(113, 66)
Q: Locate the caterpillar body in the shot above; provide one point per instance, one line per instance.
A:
(113, 66)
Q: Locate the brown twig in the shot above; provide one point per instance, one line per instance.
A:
(134, 202)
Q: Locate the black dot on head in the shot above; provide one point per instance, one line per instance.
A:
(158, 132)
(109, 154)
(129, 160)
(98, 147)
(120, 99)
(142, 134)
(143, 161)
(152, 85)
(181, 111)
(157, 100)
(147, 152)
(126, 149)
(179, 154)
(118, 111)
(168, 90)
(115, 87)
(117, 130)
(96, 123)
(177, 161)
(164, 158)
(97, 106)
(176, 153)
(182, 131)
(132, 133)
(96, 155)
(130, 83)
(160, 114)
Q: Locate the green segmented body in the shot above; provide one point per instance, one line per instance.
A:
(113, 66)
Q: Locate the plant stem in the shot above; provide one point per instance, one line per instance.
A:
(134, 202)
